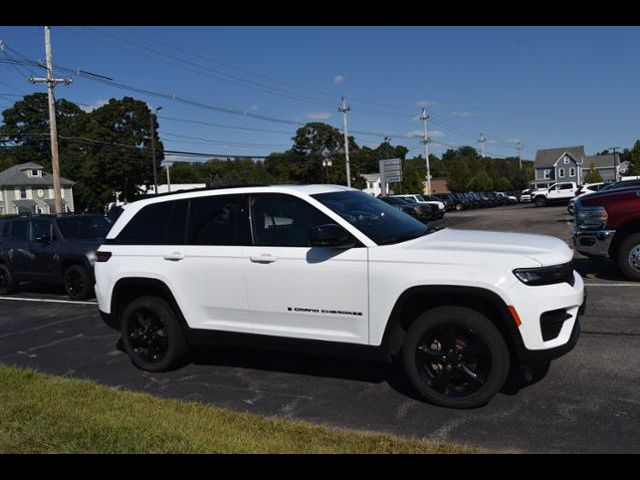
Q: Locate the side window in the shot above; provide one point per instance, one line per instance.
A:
(566, 186)
(40, 228)
(20, 230)
(4, 229)
(219, 220)
(281, 220)
(156, 224)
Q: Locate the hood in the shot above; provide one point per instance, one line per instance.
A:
(478, 246)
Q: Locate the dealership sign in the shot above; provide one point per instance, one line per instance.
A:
(391, 170)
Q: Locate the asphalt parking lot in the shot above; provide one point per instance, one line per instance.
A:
(589, 401)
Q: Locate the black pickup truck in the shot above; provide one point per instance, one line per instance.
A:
(51, 249)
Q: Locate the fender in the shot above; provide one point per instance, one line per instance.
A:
(417, 299)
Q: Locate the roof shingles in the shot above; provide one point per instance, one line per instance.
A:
(17, 176)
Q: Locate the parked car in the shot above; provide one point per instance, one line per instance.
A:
(51, 249)
(558, 193)
(452, 201)
(331, 268)
(506, 198)
(490, 201)
(584, 189)
(418, 198)
(448, 203)
(608, 225)
(525, 196)
(425, 212)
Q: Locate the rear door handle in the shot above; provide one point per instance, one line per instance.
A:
(173, 256)
(266, 258)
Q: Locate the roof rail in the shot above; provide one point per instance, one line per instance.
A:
(201, 189)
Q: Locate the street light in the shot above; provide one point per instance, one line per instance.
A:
(153, 150)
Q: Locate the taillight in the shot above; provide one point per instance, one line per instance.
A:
(103, 256)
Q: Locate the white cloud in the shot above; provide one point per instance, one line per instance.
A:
(463, 114)
(317, 115)
(514, 140)
(339, 79)
(94, 105)
(254, 107)
(430, 134)
(426, 103)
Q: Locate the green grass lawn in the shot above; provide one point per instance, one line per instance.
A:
(46, 414)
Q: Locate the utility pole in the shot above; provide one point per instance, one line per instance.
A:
(482, 141)
(425, 139)
(344, 108)
(615, 163)
(519, 147)
(153, 147)
(51, 82)
(168, 177)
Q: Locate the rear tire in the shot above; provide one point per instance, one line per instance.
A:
(455, 357)
(541, 202)
(152, 336)
(77, 282)
(629, 257)
(7, 282)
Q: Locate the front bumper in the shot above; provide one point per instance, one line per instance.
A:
(593, 242)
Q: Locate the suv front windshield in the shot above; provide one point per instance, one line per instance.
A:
(84, 227)
(378, 220)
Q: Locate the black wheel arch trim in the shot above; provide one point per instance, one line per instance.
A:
(394, 331)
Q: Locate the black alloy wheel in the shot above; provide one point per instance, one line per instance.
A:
(152, 335)
(7, 284)
(77, 282)
(455, 357)
(147, 335)
(452, 360)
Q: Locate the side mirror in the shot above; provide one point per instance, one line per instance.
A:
(330, 235)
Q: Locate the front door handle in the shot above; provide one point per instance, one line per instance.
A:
(173, 256)
(266, 258)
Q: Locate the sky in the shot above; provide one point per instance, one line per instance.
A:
(543, 86)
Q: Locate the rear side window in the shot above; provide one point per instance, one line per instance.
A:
(219, 220)
(20, 230)
(156, 224)
(4, 226)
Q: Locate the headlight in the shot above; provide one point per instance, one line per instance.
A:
(546, 275)
(591, 218)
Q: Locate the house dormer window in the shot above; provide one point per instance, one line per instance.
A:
(36, 173)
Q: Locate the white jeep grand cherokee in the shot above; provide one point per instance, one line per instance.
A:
(329, 267)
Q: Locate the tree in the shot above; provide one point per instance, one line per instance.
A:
(25, 130)
(480, 182)
(593, 176)
(634, 168)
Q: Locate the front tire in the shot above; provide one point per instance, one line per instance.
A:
(629, 257)
(152, 336)
(541, 202)
(455, 357)
(7, 282)
(77, 282)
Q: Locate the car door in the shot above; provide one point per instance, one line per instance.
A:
(17, 251)
(196, 246)
(42, 249)
(295, 290)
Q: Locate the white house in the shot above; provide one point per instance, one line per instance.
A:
(374, 184)
(27, 188)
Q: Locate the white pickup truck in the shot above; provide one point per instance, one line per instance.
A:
(561, 192)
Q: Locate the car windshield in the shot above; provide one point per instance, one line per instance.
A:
(83, 227)
(377, 220)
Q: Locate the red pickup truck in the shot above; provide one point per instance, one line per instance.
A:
(608, 225)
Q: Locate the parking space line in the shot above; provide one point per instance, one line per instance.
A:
(48, 300)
